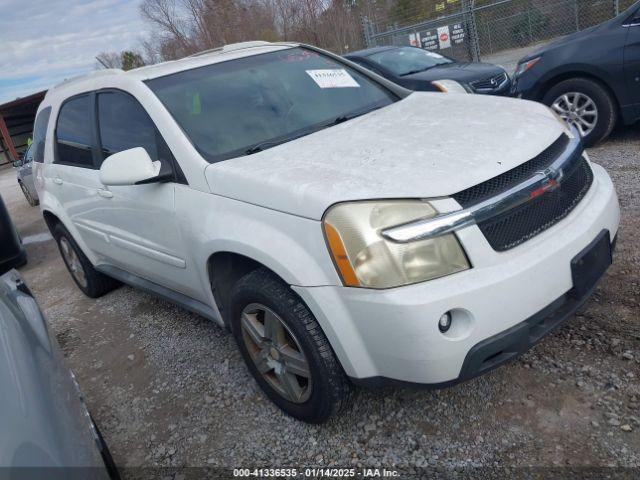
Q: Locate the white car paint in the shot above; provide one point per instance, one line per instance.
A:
(128, 168)
(427, 145)
(268, 207)
(394, 333)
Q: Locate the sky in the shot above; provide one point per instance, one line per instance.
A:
(43, 42)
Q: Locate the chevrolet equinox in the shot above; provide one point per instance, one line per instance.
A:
(346, 230)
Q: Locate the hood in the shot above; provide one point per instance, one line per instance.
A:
(461, 72)
(426, 145)
(562, 41)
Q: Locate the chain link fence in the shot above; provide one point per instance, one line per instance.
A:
(464, 30)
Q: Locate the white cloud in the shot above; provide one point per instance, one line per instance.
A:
(46, 41)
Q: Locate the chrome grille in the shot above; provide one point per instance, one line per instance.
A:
(495, 185)
(490, 83)
(519, 224)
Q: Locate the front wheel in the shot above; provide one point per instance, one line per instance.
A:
(285, 349)
(587, 105)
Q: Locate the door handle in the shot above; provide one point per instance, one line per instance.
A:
(105, 193)
(57, 180)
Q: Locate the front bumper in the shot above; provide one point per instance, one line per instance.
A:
(527, 86)
(506, 346)
(393, 334)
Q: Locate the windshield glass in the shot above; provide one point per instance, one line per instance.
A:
(242, 106)
(405, 60)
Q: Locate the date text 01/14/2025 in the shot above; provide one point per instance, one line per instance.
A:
(316, 472)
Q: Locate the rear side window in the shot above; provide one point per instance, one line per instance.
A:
(40, 135)
(124, 124)
(74, 133)
(28, 155)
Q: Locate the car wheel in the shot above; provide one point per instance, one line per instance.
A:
(285, 349)
(92, 283)
(32, 201)
(586, 104)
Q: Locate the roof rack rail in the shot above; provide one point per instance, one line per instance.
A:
(96, 73)
(232, 47)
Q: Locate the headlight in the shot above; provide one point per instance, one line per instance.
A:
(366, 259)
(524, 66)
(449, 86)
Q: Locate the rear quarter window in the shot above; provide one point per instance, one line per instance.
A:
(40, 135)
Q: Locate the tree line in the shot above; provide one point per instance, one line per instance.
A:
(184, 27)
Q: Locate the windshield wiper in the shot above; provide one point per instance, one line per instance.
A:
(259, 147)
(262, 146)
(411, 72)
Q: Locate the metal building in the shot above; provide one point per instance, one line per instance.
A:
(16, 125)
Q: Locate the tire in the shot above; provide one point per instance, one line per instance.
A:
(327, 389)
(92, 283)
(605, 105)
(32, 201)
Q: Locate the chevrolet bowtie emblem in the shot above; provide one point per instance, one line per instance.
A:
(551, 181)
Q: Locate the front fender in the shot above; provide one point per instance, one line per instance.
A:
(574, 70)
(293, 247)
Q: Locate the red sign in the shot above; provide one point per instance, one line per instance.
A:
(444, 37)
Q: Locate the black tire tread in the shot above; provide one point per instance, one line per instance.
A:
(340, 387)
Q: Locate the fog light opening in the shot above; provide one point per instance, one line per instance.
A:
(445, 322)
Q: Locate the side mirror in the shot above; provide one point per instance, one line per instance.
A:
(129, 167)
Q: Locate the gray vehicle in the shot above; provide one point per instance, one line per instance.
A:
(25, 176)
(45, 424)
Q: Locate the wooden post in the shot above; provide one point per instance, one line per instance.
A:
(4, 131)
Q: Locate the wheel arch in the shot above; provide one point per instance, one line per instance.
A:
(555, 79)
(52, 218)
(224, 269)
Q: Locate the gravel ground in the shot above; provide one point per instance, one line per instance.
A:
(169, 388)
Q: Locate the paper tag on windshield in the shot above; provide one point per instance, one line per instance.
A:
(335, 78)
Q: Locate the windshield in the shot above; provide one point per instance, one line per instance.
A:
(405, 60)
(242, 106)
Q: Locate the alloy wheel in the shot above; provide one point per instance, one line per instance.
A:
(577, 109)
(276, 353)
(73, 262)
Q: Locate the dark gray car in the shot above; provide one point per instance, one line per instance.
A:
(43, 420)
(416, 69)
(590, 78)
(12, 253)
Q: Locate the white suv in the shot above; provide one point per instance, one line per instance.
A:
(346, 230)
